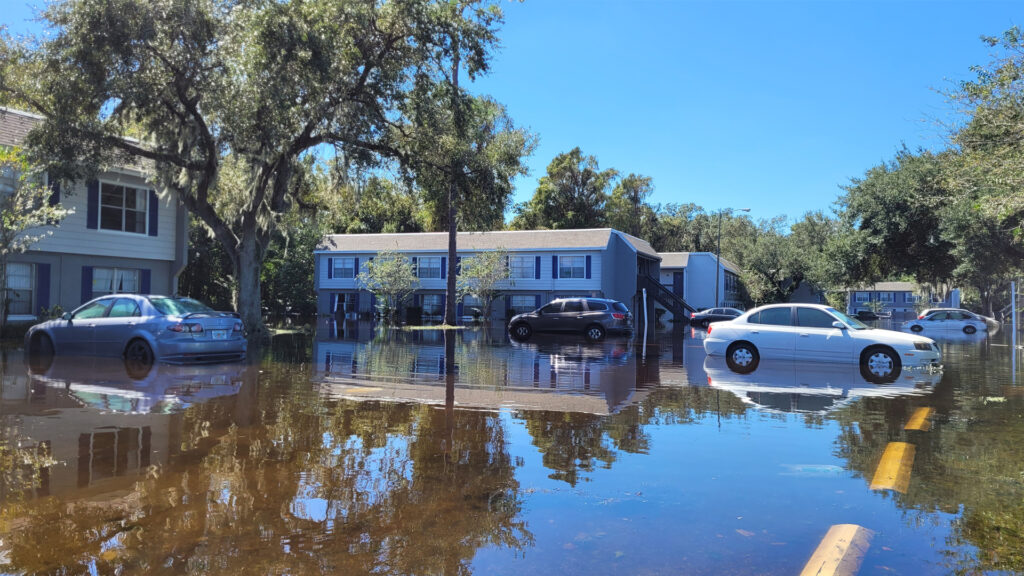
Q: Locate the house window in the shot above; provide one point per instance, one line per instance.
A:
(123, 208)
(732, 283)
(936, 298)
(523, 303)
(912, 298)
(429, 267)
(344, 268)
(862, 297)
(20, 290)
(433, 304)
(522, 266)
(886, 297)
(572, 267)
(114, 281)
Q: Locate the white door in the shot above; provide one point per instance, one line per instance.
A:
(773, 333)
(817, 339)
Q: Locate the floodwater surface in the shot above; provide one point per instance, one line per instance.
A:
(366, 450)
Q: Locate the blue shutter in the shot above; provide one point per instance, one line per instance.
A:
(54, 193)
(554, 267)
(146, 281)
(86, 284)
(43, 286)
(444, 267)
(536, 271)
(508, 303)
(537, 301)
(154, 207)
(355, 270)
(330, 268)
(415, 300)
(588, 267)
(415, 267)
(355, 304)
(92, 210)
(458, 311)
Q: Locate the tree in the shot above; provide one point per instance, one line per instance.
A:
(26, 214)
(215, 88)
(392, 280)
(482, 276)
(628, 206)
(572, 195)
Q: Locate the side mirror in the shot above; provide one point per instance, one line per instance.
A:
(838, 324)
(539, 312)
(66, 316)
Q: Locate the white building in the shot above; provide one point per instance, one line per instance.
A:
(691, 276)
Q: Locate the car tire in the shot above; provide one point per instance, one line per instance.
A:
(916, 328)
(880, 365)
(742, 357)
(594, 332)
(520, 331)
(41, 354)
(970, 329)
(138, 358)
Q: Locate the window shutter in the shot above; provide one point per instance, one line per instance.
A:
(537, 300)
(458, 311)
(355, 270)
(355, 304)
(333, 307)
(536, 271)
(154, 217)
(415, 299)
(43, 286)
(146, 281)
(86, 284)
(458, 265)
(330, 268)
(444, 266)
(554, 267)
(415, 268)
(588, 267)
(54, 193)
(92, 209)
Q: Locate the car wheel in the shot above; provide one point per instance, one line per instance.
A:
(880, 365)
(916, 328)
(742, 357)
(521, 331)
(138, 358)
(595, 332)
(970, 329)
(41, 354)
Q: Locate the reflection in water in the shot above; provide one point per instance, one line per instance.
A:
(452, 453)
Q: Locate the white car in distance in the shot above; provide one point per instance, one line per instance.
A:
(817, 333)
(948, 320)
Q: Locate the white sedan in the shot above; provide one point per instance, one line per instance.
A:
(948, 320)
(815, 332)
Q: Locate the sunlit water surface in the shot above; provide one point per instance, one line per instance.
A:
(386, 452)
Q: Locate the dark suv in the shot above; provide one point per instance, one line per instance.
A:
(592, 317)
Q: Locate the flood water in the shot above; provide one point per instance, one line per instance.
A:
(389, 452)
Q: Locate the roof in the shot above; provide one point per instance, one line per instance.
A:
(594, 238)
(887, 287)
(682, 260)
(15, 126)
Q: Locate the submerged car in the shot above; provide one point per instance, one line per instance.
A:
(592, 317)
(948, 320)
(705, 317)
(817, 333)
(142, 330)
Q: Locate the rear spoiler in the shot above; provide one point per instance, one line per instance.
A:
(217, 314)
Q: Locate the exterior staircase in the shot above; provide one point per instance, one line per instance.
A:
(662, 295)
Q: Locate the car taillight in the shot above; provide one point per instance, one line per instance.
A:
(921, 317)
(193, 328)
(693, 314)
(238, 327)
(709, 328)
(618, 316)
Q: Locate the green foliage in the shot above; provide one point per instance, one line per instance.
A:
(572, 195)
(627, 209)
(391, 278)
(483, 275)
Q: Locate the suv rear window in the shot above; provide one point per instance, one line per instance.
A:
(620, 307)
(595, 306)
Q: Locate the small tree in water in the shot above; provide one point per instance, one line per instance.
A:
(25, 214)
(391, 278)
(483, 277)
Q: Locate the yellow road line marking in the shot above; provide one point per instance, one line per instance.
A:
(893, 472)
(840, 552)
(920, 420)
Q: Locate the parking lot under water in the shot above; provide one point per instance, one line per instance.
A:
(365, 450)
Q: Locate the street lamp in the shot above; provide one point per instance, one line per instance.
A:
(718, 250)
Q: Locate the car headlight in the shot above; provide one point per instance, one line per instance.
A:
(925, 346)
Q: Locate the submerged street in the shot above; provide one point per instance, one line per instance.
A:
(359, 451)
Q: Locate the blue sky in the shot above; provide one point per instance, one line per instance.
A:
(764, 105)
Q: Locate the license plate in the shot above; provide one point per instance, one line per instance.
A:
(219, 334)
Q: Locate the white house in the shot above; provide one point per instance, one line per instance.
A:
(899, 299)
(691, 276)
(121, 237)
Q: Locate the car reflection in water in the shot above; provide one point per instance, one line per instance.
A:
(115, 385)
(560, 373)
(814, 388)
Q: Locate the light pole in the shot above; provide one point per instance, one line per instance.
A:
(718, 249)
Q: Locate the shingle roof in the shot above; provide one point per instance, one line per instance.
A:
(682, 260)
(596, 238)
(15, 125)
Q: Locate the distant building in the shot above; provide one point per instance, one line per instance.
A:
(122, 237)
(691, 276)
(899, 299)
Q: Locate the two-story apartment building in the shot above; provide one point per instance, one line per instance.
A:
(898, 299)
(121, 236)
(691, 276)
(543, 265)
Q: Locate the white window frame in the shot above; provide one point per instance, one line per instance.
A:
(123, 207)
(434, 264)
(32, 299)
(912, 298)
(116, 281)
(575, 265)
(861, 297)
(522, 266)
(520, 303)
(887, 297)
(439, 310)
(344, 267)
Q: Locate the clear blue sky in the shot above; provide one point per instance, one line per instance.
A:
(763, 105)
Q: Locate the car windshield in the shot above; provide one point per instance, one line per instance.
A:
(851, 322)
(179, 306)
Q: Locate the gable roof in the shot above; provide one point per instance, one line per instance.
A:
(513, 240)
(15, 126)
(682, 260)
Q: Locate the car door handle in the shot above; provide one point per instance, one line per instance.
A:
(802, 335)
(754, 332)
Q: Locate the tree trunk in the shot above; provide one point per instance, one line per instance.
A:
(449, 308)
(248, 264)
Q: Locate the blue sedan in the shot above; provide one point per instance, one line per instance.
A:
(142, 329)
